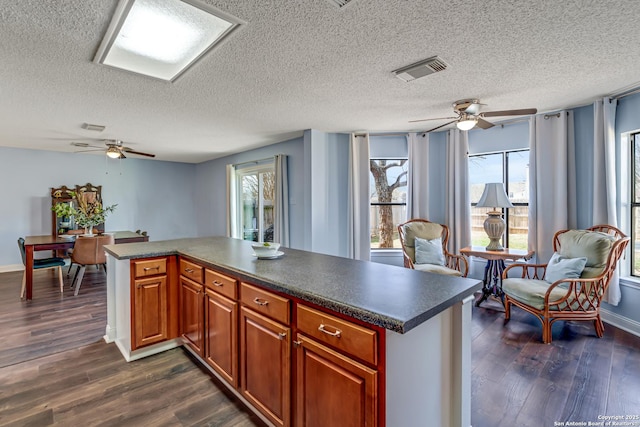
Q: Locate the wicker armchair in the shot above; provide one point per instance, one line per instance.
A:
(568, 298)
(453, 265)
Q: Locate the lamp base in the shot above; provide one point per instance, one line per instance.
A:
(494, 227)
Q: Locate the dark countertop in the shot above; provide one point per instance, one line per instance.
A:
(395, 298)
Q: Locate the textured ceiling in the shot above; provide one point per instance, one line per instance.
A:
(307, 64)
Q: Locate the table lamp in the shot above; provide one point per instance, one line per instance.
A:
(494, 197)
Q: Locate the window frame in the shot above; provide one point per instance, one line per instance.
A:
(258, 168)
(633, 205)
(373, 204)
(505, 182)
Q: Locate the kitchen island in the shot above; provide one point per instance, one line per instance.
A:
(417, 324)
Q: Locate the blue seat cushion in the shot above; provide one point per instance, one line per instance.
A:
(48, 262)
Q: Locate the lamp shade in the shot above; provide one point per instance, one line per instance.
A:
(494, 196)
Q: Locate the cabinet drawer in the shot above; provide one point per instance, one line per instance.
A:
(150, 267)
(265, 302)
(353, 339)
(221, 284)
(192, 271)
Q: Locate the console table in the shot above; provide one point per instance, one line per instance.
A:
(494, 268)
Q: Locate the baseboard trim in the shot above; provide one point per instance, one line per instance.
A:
(621, 322)
(11, 267)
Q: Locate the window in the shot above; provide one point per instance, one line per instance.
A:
(256, 199)
(635, 204)
(512, 169)
(388, 201)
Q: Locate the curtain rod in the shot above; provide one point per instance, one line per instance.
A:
(256, 162)
(626, 93)
(382, 134)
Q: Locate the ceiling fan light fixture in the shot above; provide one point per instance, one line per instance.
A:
(113, 152)
(467, 123)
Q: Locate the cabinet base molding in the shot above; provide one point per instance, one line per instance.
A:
(150, 350)
(228, 386)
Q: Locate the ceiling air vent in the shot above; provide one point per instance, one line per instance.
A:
(95, 128)
(420, 69)
(340, 3)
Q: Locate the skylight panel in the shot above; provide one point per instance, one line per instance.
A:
(162, 38)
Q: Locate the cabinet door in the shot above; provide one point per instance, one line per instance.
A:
(150, 311)
(332, 389)
(265, 351)
(191, 314)
(221, 330)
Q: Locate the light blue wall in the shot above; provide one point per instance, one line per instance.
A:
(437, 176)
(583, 126)
(512, 136)
(326, 159)
(146, 192)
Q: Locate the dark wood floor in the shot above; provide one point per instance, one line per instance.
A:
(55, 369)
(519, 381)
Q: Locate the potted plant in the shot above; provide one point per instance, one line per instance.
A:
(88, 213)
(63, 210)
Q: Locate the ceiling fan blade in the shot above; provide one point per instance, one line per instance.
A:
(122, 156)
(483, 124)
(441, 126)
(85, 145)
(128, 150)
(522, 112)
(90, 151)
(437, 118)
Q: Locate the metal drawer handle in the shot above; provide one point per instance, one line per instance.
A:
(188, 270)
(336, 334)
(216, 283)
(260, 301)
(157, 267)
(282, 335)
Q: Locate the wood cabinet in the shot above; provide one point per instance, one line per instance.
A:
(192, 305)
(245, 334)
(221, 325)
(265, 353)
(332, 387)
(150, 302)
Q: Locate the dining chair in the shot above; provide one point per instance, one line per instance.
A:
(424, 248)
(53, 262)
(89, 251)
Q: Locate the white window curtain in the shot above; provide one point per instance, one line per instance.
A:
(552, 180)
(359, 239)
(281, 212)
(458, 205)
(605, 200)
(418, 177)
(232, 199)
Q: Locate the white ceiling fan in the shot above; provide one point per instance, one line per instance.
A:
(468, 115)
(114, 149)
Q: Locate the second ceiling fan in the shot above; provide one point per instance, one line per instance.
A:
(114, 149)
(468, 115)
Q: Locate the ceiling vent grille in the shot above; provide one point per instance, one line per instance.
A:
(95, 128)
(340, 3)
(420, 69)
